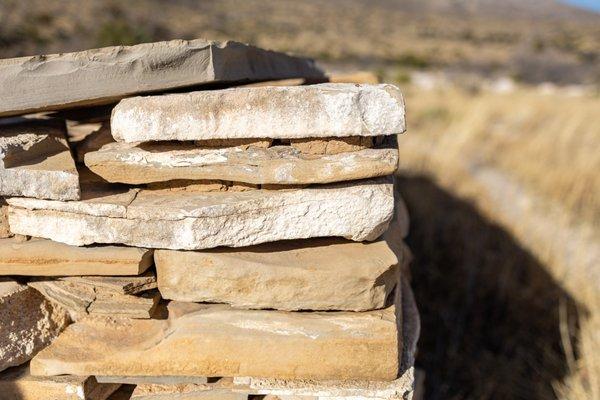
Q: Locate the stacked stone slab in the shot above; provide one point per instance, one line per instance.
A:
(268, 212)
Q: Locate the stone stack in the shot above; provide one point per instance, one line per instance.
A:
(224, 241)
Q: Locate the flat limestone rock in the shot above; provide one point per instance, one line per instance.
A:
(35, 160)
(101, 76)
(41, 257)
(349, 389)
(82, 299)
(118, 284)
(197, 220)
(28, 323)
(18, 384)
(312, 274)
(332, 145)
(214, 340)
(4, 226)
(284, 112)
(155, 162)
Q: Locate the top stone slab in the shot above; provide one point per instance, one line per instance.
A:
(100, 76)
(285, 112)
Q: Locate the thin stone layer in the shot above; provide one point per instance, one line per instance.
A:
(28, 323)
(101, 76)
(312, 274)
(197, 220)
(216, 340)
(18, 384)
(35, 160)
(41, 257)
(139, 163)
(283, 112)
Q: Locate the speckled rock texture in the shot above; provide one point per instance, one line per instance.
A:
(216, 340)
(182, 220)
(282, 112)
(100, 76)
(311, 274)
(28, 323)
(41, 257)
(154, 162)
(35, 160)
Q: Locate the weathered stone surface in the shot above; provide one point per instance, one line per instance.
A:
(35, 160)
(154, 162)
(81, 299)
(313, 274)
(332, 145)
(348, 389)
(118, 284)
(216, 340)
(41, 257)
(326, 110)
(28, 323)
(196, 220)
(4, 226)
(18, 384)
(101, 76)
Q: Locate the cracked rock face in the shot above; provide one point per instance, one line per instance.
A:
(184, 220)
(100, 76)
(285, 112)
(28, 323)
(137, 163)
(216, 340)
(35, 160)
(313, 274)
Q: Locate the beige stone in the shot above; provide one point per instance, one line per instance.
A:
(216, 340)
(240, 144)
(4, 226)
(349, 389)
(312, 274)
(196, 220)
(80, 299)
(18, 384)
(332, 145)
(118, 284)
(200, 186)
(277, 112)
(28, 323)
(154, 162)
(93, 141)
(101, 76)
(41, 257)
(35, 160)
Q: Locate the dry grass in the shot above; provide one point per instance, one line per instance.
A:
(505, 208)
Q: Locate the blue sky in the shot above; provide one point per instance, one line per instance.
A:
(589, 4)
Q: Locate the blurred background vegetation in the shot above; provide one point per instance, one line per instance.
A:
(499, 167)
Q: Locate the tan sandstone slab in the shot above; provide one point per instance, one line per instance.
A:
(216, 340)
(312, 274)
(4, 227)
(35, 160)
(100, 76)
(18, 384)
(282, 112)
(401, 388)
(28, 323)
(155, 162)
(184, 220)
(80, 299)
(42, 257)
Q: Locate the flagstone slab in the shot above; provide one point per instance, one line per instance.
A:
(217, 340)
(312, 274)
(18, 384)
(101, 76)
(35, 160)
(118, 284)
(82, 299)
(42, 257)
(156, 162)
(277, 112)
(28, 323)
(184, 220)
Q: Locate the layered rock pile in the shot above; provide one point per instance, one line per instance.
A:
(224, 241)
